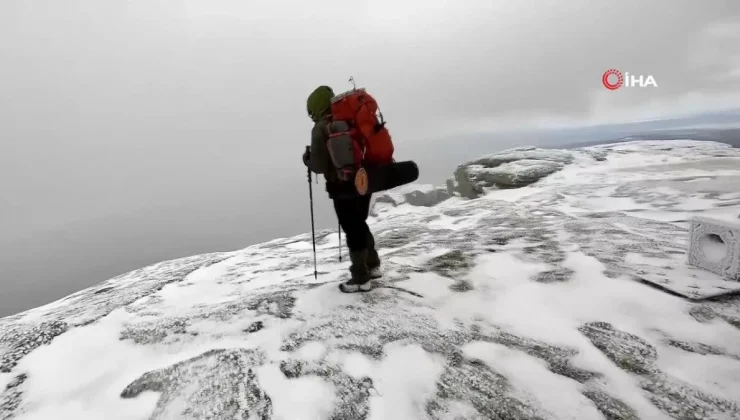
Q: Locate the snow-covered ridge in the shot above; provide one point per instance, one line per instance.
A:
(524, 303)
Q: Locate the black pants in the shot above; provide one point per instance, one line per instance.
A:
(352, 214)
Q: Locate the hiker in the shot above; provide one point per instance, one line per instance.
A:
(351, 208)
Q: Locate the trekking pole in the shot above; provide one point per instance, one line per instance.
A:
(313, 232)
(339, 230)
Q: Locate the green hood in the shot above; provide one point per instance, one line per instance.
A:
(319, 102)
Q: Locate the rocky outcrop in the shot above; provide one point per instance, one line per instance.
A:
(512, 168)
(598, 155)
(421, 195)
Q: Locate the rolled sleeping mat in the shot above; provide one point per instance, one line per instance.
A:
(385, 177)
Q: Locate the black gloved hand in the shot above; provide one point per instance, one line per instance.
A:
(306, 156)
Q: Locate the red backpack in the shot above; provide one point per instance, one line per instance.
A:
(358, 137)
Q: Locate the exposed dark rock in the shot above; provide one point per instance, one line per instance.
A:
(626, 350)
(554, 276)
(21, 339)
(11, 397)
(677, 399)
(462, 286)
(254, 327)
(610, 407)
(450, 264)
(484, 389)
(217, 384)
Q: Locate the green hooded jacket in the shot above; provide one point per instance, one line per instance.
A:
(318, 106)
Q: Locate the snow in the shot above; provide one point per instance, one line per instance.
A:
(531, 378)
(312, 352)
(82, 374)
(357, 365)
(404, 381)
(712, 374)
(533, 302)
(308, 397)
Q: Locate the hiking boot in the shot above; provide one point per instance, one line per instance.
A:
(360, 281)
(373, 259)
(375, 273)
(352, 286)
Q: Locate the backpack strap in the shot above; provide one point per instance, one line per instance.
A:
(327, 127)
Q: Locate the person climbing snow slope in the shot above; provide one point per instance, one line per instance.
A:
(351, 208)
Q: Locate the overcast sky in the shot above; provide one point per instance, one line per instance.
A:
(141, 130)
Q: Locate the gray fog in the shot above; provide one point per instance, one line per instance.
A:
(138, 131)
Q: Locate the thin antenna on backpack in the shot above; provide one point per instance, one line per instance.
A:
(352, 80)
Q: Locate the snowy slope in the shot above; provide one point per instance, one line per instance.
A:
(522, 304)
